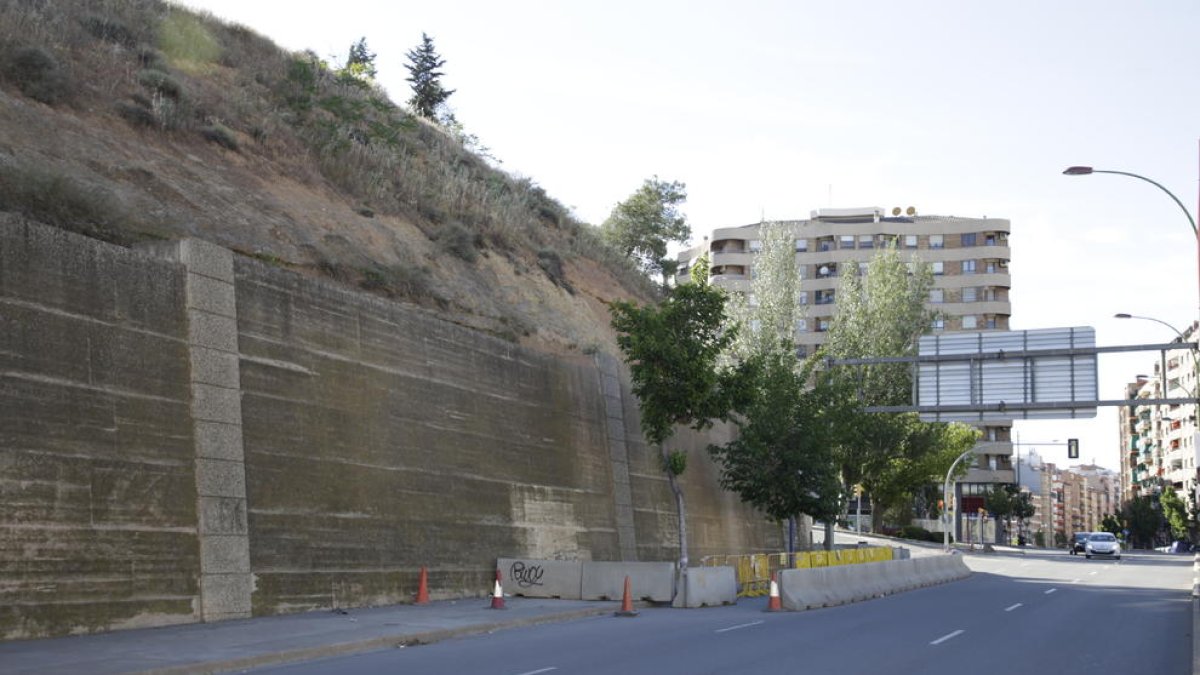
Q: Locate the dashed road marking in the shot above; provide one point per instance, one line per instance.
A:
(538, 672)
(740, 625)
(947, 637)
(1009, 609)
(1049, 591)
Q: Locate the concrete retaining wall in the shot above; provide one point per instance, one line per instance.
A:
(188, 435)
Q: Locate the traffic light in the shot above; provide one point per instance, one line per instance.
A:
(1072, 448)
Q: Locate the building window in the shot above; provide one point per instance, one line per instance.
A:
(801, 325)
(801, 245)
(968, 267)
(866, 241)
(752, 300)
(823, 297)
(826, 271)
(990, 321)
(939, 268)
(989, 240)
(968, 294)
(939, 324)
(936, 295)
(936, 241)
(863, 268)
(910, 241)
(825, 244)
(846, 241)
(755, 245)
(968, 239)
(804, 297)
(970, 322)
(822, 325)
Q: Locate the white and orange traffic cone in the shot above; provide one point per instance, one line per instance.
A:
(627, 601)
(773, 603)
(423, 588)
(498, 594)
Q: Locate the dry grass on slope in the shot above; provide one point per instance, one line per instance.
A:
(135, 119)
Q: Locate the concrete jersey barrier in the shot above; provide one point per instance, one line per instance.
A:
(801, 589)
(653, 581)
(534, 578)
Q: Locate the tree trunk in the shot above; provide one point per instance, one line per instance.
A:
(681, 509)
(828, 535)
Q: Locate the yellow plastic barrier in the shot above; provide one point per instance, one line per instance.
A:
(754, 570)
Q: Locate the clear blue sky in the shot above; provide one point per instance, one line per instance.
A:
(773, 109)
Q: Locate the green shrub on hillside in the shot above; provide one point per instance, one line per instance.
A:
(221, 135)
(459, 242)
(38, 75)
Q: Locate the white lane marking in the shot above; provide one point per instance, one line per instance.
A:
(1050, 591)
(538, 672)
(1093, 572)
(1009, 609)
(740, 625)
(946, 637)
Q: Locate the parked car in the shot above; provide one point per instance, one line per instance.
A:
(1102, 543)
(1078, 543)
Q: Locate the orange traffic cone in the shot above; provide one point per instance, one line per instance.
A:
(627, 602)
(497, 594)
(773, 603)
(423, 588)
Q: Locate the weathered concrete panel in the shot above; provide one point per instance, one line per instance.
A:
(709, 587)
(97, 496)
(654, 581)
(535, 578)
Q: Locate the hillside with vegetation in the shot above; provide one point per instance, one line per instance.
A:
(137, 120)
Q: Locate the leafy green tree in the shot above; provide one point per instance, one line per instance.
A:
(644, 224)
(882, 314)
(771, 320)
(1143, 520)
(672, 351)
(1023, 509)
(1111, 524)
(1175, 512)
(425, 77)
(360, 63)
(781, 461)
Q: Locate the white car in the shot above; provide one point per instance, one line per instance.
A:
(1102, 543)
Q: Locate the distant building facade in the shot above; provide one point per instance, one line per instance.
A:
(1158, 441)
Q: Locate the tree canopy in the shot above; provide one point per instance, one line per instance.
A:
(882, 314)
(672, 350)
(360, 63)
(781, 461)
(644, 224)
(425, 77)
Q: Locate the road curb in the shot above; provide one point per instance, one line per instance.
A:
(343, 648)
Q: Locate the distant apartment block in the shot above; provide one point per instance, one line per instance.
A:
(1158, 442)
(969, 258)
(1068, 500)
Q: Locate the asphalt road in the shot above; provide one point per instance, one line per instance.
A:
(1044, 612)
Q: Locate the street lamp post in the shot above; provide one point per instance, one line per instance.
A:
(950, 521)
(1087, 170)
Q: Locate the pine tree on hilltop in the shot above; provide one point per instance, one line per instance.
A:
(361, 61)
(428, 93)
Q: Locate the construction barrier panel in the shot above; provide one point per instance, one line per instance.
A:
(708, 587)
(808, 588)
(754, 570)
(653, 581)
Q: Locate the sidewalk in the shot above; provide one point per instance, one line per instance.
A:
(248, 643)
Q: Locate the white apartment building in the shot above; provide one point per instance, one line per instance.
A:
(969, 257)
(1159, 441)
